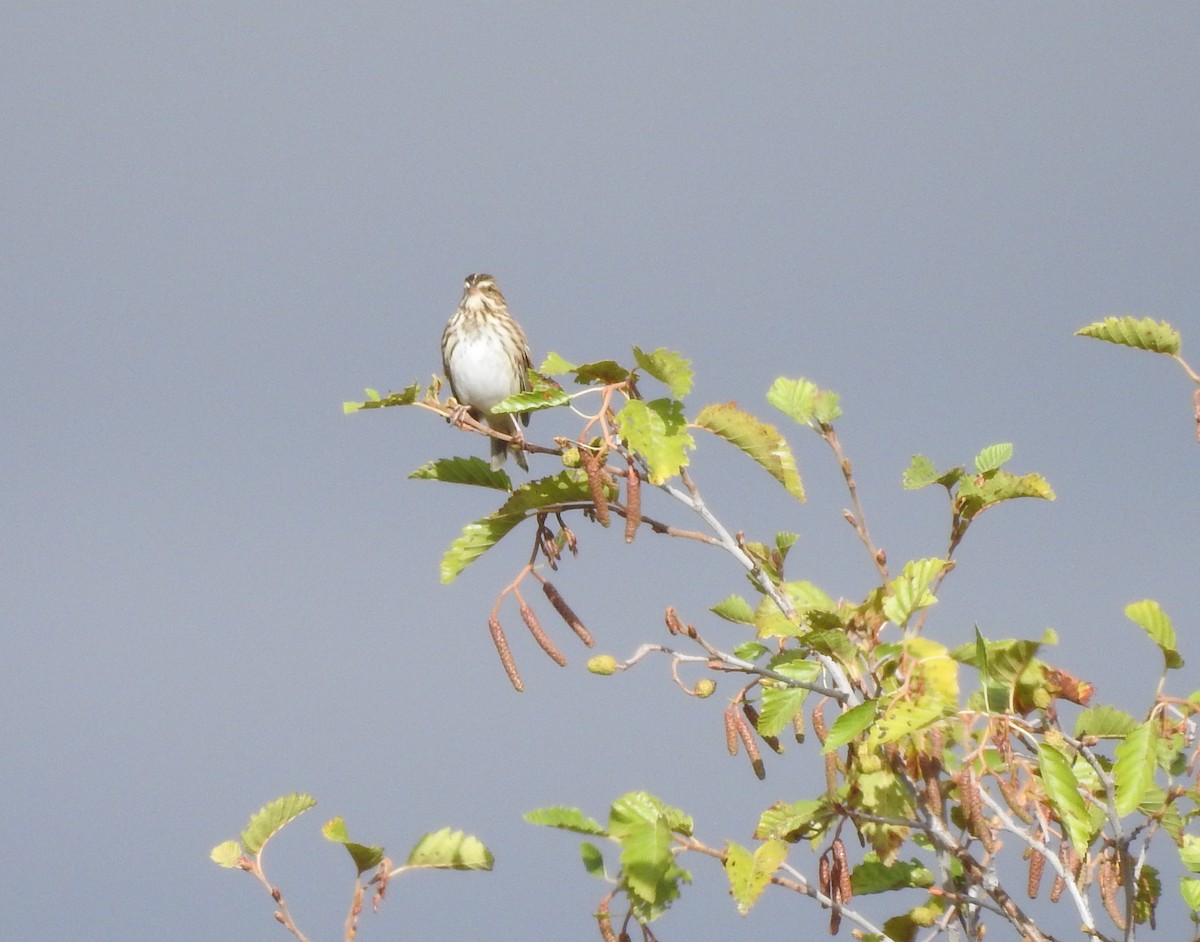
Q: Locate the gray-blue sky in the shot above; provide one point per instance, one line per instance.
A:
(221, 220)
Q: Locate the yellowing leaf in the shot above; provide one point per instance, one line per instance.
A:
(1154, 620)
(760, 441)
(658, 432)
(668, 367)
(1144, 334)
(450, 850)
(749, 874)
(804, 401)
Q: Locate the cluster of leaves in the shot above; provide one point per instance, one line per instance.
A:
(439, 850)
(930, 751)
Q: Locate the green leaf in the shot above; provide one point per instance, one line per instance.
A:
(779, 706)
(1104, 722)
(1189, 852)
(1062, 788)
(554, 365)
(228, 854)
(748, 873)
(593, 860)
(406, 397)
(977, 494)
(569, 819)
(544, 393)
(365, 857)
(760, 441)
(850, 724)
(1133, 770)
(634, 807)
(477, 538)
(795, 665)
(1144, 334)
(450, 850)
(993, 457)
(642, 825)
(1154, 620)
(794, 822)
(1189, 888)
(647, 862)
(267, 821)
(736, 609)
(874, 876)
(921, 473)
(667, 367)
(473, 471)
(909, 592)
(657, 430)
(903, 717)
(750, 651)
(804, 401)
(601, 372)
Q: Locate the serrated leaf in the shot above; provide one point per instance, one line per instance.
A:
(267, 821)
(977, 494)
(593, 860)
(406, 397)
(1062, 788)
(569, 819)
(921, 472)
(450, 850)
(474, 471)
(1154, 620)
(1144, 334)
(795, 665)
(555, 365)
(657, 430)
(227, 854)
(903, 718)
(1133, 770)
(993, 457)
(793, 822)
(542, 494)
(750, 651)
(646, 861)
(634, 807)
(1189, 889)
(909, 592)
(1104, 722)
(933, 671)
(760, 441)
(365, 857)
(734, 608)
(543, 393)
(874, 876)
(668, 367)
(779, 705)
(749, 874)
(601, 372)
(1189, 852)
(804, 401)
(850, 724)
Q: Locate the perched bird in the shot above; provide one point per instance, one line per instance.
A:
(485, 356)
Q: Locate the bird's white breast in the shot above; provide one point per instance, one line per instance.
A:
(483, 373)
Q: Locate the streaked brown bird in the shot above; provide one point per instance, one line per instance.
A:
(485, 356)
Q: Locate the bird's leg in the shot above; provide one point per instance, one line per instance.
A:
(458, 413)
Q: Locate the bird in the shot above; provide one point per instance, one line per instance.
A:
(486, 358)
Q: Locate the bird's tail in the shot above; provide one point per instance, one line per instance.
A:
(501, 449)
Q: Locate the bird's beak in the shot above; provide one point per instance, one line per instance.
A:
(472, 291)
